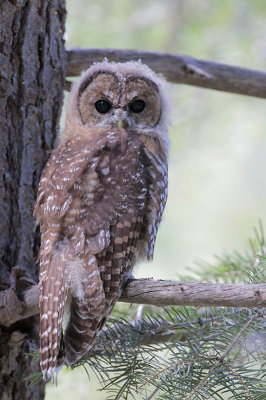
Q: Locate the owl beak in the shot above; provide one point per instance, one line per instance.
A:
(120, 123)
(120, 118)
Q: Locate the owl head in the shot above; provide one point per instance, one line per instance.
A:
(126, 95)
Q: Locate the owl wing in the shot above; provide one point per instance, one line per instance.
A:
(71, 185)
(119, 210)
(157, 196)
(66, 164)
(112, 266)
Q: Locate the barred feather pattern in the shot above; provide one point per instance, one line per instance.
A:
(99, 205)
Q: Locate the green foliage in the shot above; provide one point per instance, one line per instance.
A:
(174, 352)
(235, 267)
(35, 378)
(187, 352)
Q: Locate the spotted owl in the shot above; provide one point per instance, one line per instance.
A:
(99, 204)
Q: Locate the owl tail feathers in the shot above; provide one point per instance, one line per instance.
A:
(53, 288)
(51, 369)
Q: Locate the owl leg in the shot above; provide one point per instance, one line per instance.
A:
(86, 312)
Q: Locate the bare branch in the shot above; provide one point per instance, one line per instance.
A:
(155, 292)
(165, 293)
(177, 69)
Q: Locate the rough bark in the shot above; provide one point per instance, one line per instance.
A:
(31, 87)
(177, 69)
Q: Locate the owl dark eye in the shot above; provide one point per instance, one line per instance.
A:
(137, 106)
(102, 106)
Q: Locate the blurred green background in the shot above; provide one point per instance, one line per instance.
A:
(217, 167)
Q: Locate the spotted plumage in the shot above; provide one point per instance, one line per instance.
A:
(99, 204)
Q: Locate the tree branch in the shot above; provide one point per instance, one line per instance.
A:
(166, 293)
(177, 69)
(155, 292)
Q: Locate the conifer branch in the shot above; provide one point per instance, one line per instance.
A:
(164, 333)
(222, 357)
(197, 346)
(241, 381)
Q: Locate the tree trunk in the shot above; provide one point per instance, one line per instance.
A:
(32, 63)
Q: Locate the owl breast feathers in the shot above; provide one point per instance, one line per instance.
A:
(99, 204)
